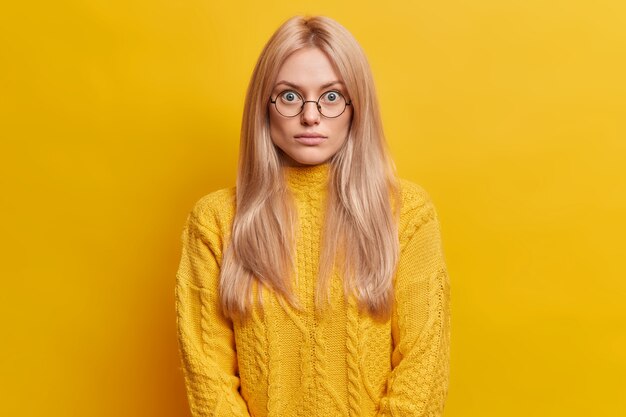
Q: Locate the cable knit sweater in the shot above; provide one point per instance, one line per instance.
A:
(285, 363)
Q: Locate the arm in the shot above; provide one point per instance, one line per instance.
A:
(205, 336)
(418, 383)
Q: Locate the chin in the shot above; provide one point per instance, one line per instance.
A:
(310, 160)
(306, 158)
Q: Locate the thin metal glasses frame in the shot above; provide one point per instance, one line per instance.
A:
(317, 104)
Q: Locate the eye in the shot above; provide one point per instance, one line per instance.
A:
(331, 97)
(289, 96)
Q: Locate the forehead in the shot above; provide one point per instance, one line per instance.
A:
(309, 67)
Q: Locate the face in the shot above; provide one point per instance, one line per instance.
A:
(309, 138)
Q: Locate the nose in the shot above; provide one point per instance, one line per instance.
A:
(310, 115)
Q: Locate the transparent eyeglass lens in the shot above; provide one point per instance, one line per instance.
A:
(330, 104)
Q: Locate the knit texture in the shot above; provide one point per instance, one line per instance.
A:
(284, 363)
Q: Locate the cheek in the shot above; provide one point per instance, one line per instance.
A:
(346, 123)
(274, 127)
(279, 126)
(343, 128)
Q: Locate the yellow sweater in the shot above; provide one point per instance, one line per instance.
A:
(284, 363)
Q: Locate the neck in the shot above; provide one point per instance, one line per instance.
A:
(307, 178)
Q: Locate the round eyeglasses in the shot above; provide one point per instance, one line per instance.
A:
(330, 104)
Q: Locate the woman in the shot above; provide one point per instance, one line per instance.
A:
(317, 286)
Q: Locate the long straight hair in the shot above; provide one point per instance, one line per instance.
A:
(360, 235)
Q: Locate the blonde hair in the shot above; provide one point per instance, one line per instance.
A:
(363, 194)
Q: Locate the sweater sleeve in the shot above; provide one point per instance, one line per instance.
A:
(418, 383)
(205, 337)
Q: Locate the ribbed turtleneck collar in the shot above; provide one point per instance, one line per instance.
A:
(307, 178)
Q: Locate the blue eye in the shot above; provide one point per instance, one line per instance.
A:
(331, 97)
(289, 96)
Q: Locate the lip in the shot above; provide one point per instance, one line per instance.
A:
(310, 138)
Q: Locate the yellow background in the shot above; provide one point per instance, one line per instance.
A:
(116, 116)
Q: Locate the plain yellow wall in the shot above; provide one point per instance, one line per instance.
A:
(117, 116)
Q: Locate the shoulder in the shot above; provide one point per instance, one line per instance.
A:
(414, 196)
(214, 212)
(417, 208)
(415, 199)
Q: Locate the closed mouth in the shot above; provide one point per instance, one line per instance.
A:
(310, 135)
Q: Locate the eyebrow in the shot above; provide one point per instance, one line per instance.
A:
(329, 84)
